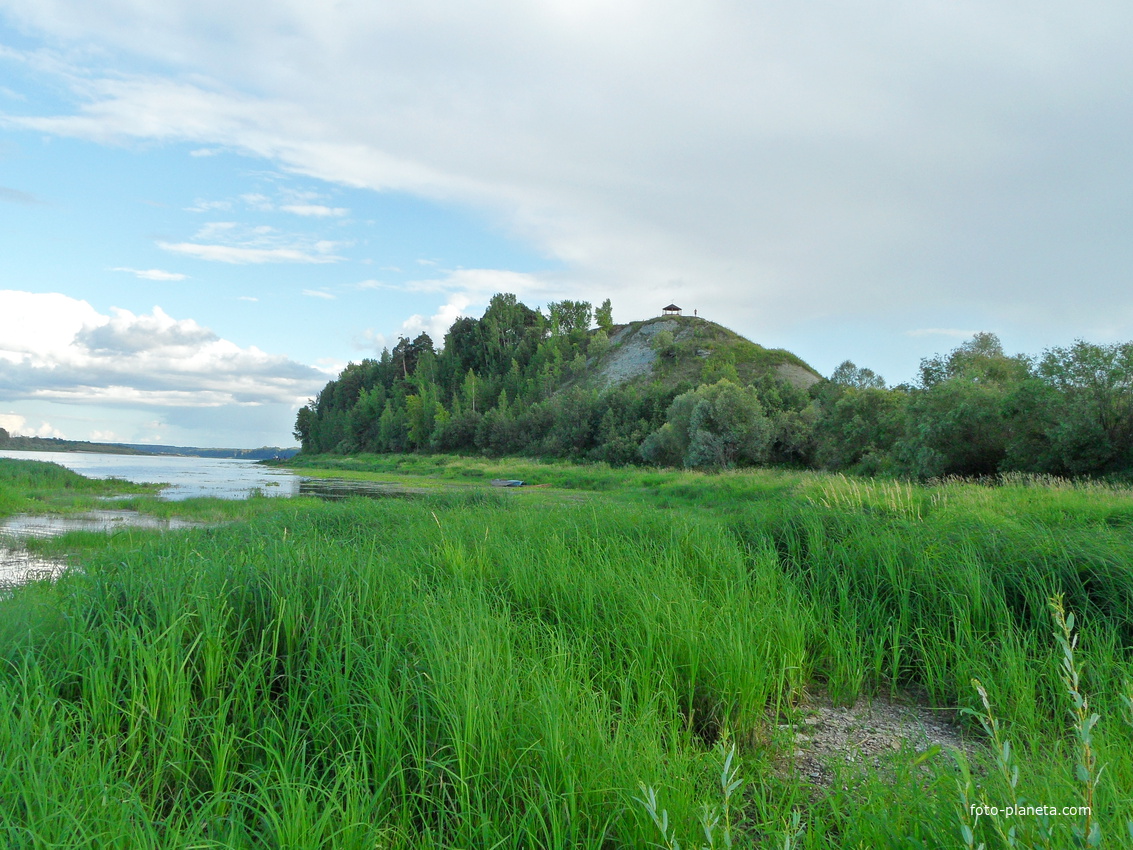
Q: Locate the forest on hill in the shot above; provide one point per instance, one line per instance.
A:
(682, 391)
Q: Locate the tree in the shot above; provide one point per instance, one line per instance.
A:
(860, 423)
(599, 344)
(1094, 428)
(849, 375)
(567, 317)
(957, 427)
(406, 353)
(5, 436)
(365, 417)
(957, 422)
(980, 359)
(712, 427)
(604, 316)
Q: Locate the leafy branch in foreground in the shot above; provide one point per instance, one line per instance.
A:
(716, 822)
(1087, 773)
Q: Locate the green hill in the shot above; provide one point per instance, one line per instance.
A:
(523, 381)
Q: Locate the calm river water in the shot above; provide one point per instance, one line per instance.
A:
(187, 477)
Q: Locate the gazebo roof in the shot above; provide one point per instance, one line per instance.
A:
(671, 307)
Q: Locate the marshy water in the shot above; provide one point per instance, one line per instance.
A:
(184, 477)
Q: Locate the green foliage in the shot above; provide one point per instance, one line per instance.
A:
(850, 376)
(604, 316)
(712, 427)
(976, 411)
(859, 426)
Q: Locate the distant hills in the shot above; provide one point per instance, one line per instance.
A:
(54, 444)
(262, 453)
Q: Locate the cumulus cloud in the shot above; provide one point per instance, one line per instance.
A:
(59, 348)
(18, 426)
(152, 274)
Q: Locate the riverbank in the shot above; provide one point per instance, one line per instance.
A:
(480, 668)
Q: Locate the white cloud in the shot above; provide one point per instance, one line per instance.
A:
(466, 291)
(371, 341)
(152, 274)
(209, 206)
(59, 348)
(258, 202)
(317, 210)
(251, 298)
(244, 256)
(17, 425)
(46, 429)
(240, 244)
(201, 152)
(318, 293)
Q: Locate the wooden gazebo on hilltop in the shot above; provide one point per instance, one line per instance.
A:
(671, 310)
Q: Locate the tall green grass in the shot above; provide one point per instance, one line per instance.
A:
(477, 670)
(29, 485)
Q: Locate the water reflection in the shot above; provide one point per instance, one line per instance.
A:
(52, 525)
(335, 489)
(18, 566)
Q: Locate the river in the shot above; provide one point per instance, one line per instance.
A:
(186, 477)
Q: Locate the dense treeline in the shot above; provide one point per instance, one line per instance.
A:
(515, 382)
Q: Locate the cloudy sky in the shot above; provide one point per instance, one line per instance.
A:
(210, 207)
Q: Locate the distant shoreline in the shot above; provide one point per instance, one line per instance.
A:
(54, 444)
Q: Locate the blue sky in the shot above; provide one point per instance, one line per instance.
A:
(209, 208)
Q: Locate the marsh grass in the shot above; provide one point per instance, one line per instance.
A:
(29, 485)
(474, 670)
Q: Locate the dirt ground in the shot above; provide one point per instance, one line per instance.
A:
(867, 734)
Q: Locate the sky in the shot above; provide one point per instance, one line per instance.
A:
(209, 208)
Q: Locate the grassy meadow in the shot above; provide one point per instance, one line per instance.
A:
(615, 661)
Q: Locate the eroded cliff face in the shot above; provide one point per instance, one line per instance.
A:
(633, 351)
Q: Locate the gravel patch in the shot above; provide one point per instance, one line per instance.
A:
(866, 734)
